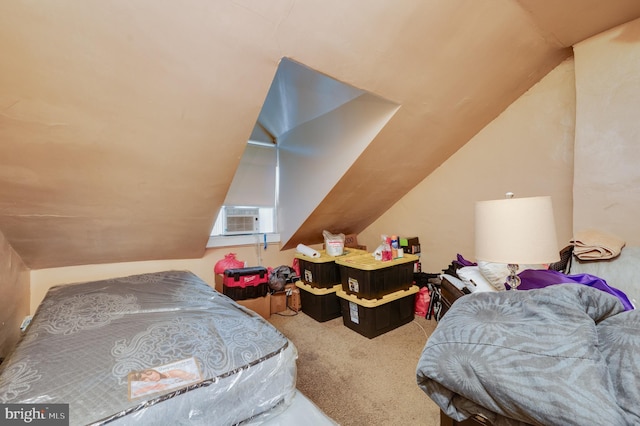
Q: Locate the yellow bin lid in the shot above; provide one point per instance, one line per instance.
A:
(317, 291)
(373, 303)
(324, 257)
(369, 263)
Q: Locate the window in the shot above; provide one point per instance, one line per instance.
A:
(310, 130)
(250, 205)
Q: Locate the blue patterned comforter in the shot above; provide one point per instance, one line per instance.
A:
(562, 355)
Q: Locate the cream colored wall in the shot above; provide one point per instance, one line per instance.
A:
(528, 150)
(607, 176)
(43, 279)
(14, 296)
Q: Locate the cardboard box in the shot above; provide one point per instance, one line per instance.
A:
(293, 297)
(351, 240)
(219, 283)
(289, 298)
(260, 305)
(278, 302)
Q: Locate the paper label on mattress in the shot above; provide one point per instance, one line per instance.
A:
(353, 285)
(164, 378)
(353, 313)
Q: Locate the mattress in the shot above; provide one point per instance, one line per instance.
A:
(154, 348)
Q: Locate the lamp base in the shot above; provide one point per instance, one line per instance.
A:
(513, 280)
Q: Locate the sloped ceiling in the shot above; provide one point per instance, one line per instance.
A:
(122, 122)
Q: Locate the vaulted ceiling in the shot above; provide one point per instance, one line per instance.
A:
(122, 122)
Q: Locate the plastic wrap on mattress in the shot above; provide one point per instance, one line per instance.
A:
(151, 349)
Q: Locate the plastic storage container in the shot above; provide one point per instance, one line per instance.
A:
(372, 318)
(321, 304)
(323, 272)
(245, 283)
(367, 278)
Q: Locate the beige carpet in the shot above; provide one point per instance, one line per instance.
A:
(361, 381)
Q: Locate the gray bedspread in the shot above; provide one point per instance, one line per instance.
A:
(87, 341)
(563, 355)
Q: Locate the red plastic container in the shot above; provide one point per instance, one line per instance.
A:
(245, 283)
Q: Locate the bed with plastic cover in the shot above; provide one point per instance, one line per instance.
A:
(156, 348)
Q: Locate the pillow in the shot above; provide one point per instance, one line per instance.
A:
(474, 280)
(496, 273)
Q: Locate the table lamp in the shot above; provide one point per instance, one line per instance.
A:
(516, 231)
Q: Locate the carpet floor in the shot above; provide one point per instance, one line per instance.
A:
(360, 381)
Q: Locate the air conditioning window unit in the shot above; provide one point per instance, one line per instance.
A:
(241, 220)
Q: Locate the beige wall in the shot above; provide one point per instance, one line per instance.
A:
(43, 279)
(14, 296)
(528, 150)
(607, 173)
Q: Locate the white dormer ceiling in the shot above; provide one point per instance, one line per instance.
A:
(299, 95)
(321, 127)
(122, 122)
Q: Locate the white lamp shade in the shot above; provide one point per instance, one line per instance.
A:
(516, 230)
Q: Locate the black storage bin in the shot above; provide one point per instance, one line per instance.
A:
(322, 271)
(367, 278)
(372, 318)
(321, 304)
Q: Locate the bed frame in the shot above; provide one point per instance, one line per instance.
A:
(473, 421)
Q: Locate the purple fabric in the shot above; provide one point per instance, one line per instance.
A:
(465, 262)
(539, 278)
